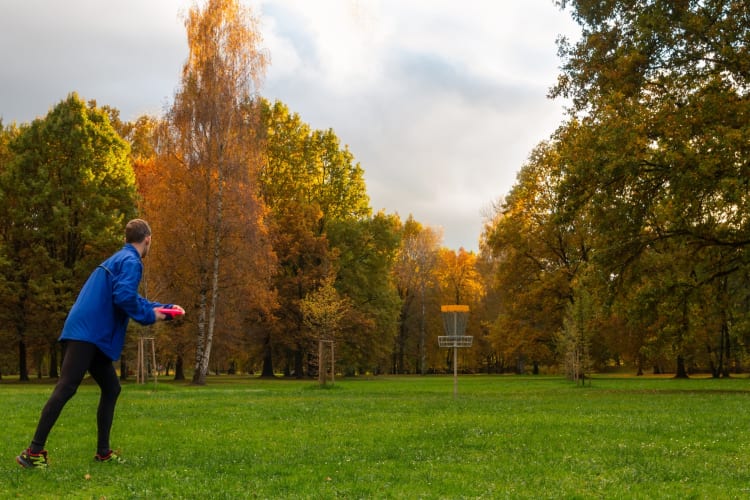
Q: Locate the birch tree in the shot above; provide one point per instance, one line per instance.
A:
(209, 142)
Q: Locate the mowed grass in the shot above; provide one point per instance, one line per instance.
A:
(393, 437)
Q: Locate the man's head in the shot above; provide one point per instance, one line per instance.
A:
(138, 234)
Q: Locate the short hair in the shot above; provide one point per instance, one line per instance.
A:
(136, 231)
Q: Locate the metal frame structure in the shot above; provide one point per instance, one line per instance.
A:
(455, 318)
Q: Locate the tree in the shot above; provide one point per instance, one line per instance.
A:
(310, 184)
(305, 166)
(656, 156)
(415, 273)
(208, 145)
(458, 277)
(323, 312)
(67, 193)
(7, 336)
(535, 255)
(303, 263)
(574, 340)
(365, 251)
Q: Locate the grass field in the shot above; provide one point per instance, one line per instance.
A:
(393, 437)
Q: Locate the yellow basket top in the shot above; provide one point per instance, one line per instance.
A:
(454, 308)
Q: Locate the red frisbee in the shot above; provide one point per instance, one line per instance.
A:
(171, 312)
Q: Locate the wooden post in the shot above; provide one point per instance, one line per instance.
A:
(455, 371)
(153, 360)
(139, 378)
(333, 366)
(321, 365)
(142, 369)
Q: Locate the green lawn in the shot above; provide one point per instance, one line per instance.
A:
(393, 437)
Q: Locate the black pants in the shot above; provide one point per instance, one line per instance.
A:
(78, 358)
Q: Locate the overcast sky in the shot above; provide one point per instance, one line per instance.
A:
(440, 101)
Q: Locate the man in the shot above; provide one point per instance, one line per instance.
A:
(93, 337)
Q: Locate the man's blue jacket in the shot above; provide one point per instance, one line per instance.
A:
(106, 302)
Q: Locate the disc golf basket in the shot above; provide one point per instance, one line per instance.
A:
(454, 322)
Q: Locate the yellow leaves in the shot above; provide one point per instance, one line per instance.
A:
(459, 277)
(324, 310)
(224, 47)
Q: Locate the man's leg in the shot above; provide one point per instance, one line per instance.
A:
(76, 361)
(103, 372)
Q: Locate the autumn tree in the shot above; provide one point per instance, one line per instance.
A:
(457, 276)
(656, 153)
(535, 260)
(574, 339)
(415, 276)
(309, 182)
(66, 193)
(487, 311)
(209, 160)
(459, 282)
(323, 312)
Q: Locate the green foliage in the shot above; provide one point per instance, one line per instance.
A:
(503, 437)
(366, 251)
(66, 190)
(574, 340)
(321, 223)
(69, 189)
(309, 167)
(646, 182)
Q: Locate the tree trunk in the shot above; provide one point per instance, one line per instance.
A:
(422, 335)
(201, 343)
(727, 351)
(53, 373)
(681, 370)
(711, 365)
(179, 368)
(23, 370)
(199, 377)
(267, 371)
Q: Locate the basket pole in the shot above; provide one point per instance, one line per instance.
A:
(455, 371)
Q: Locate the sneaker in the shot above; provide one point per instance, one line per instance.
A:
(110, 456)
(28, 459)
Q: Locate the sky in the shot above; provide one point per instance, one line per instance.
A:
(440, 102)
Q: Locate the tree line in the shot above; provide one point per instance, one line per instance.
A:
(256, 217)
(621, 244)
(294, 236)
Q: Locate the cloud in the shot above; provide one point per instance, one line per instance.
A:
(124, 54)
(440, 101)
